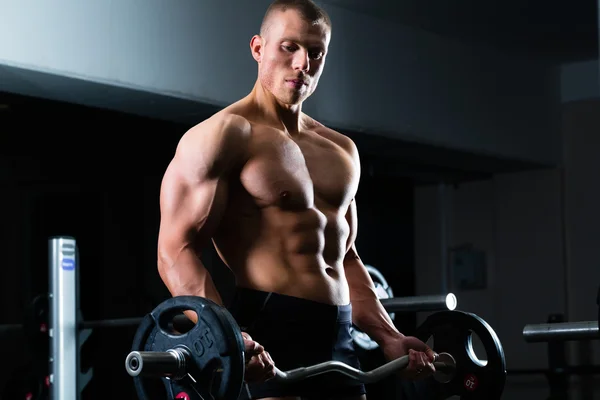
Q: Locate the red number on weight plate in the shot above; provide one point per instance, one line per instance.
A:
(471, 382)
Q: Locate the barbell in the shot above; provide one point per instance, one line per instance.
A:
(208, 360)
(175, 363)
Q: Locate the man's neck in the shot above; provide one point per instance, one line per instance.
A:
(287, 117)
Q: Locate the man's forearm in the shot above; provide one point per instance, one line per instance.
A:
(368, 313)
(185, 275)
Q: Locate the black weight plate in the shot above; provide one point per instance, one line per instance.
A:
(216, 368)
(452, 333)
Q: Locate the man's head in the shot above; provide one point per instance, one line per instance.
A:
(291, 49)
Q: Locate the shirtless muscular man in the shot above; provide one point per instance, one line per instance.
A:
(274, 190)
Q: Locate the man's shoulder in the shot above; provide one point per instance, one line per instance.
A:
(333, 135)
(220, 140)
(223, 124)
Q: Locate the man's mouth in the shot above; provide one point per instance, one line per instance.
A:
(297, 83)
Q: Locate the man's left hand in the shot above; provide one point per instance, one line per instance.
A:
(421, 357)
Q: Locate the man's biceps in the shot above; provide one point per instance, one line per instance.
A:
(180, 215)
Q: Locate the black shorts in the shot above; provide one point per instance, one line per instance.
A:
(298, 333)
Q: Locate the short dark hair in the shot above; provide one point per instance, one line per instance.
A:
(308, 9)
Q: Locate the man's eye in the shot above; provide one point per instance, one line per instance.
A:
(316, 55)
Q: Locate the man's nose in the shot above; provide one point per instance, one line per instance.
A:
(301, 61)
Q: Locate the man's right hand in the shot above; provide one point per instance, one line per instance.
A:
(259, 364)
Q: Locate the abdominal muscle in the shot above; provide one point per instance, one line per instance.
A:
(292, 252)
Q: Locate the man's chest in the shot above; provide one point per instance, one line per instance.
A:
(298, 173)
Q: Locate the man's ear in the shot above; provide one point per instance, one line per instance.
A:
(256, 47)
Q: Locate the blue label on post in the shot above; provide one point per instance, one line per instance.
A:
(68, 264)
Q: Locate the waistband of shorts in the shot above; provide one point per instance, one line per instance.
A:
(252, 301)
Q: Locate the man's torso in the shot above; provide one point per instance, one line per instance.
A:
(285, 229)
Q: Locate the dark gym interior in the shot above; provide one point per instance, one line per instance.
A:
(94, 173)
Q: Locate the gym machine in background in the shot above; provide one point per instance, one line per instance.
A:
(563, 331)
(556, 332)
(56, 319)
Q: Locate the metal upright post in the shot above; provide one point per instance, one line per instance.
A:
(64, 349)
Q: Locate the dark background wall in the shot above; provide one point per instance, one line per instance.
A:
(484, 99)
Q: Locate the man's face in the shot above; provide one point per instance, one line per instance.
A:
(292, 56)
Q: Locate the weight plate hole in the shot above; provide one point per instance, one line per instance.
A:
(179, 323)
(476, 349)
